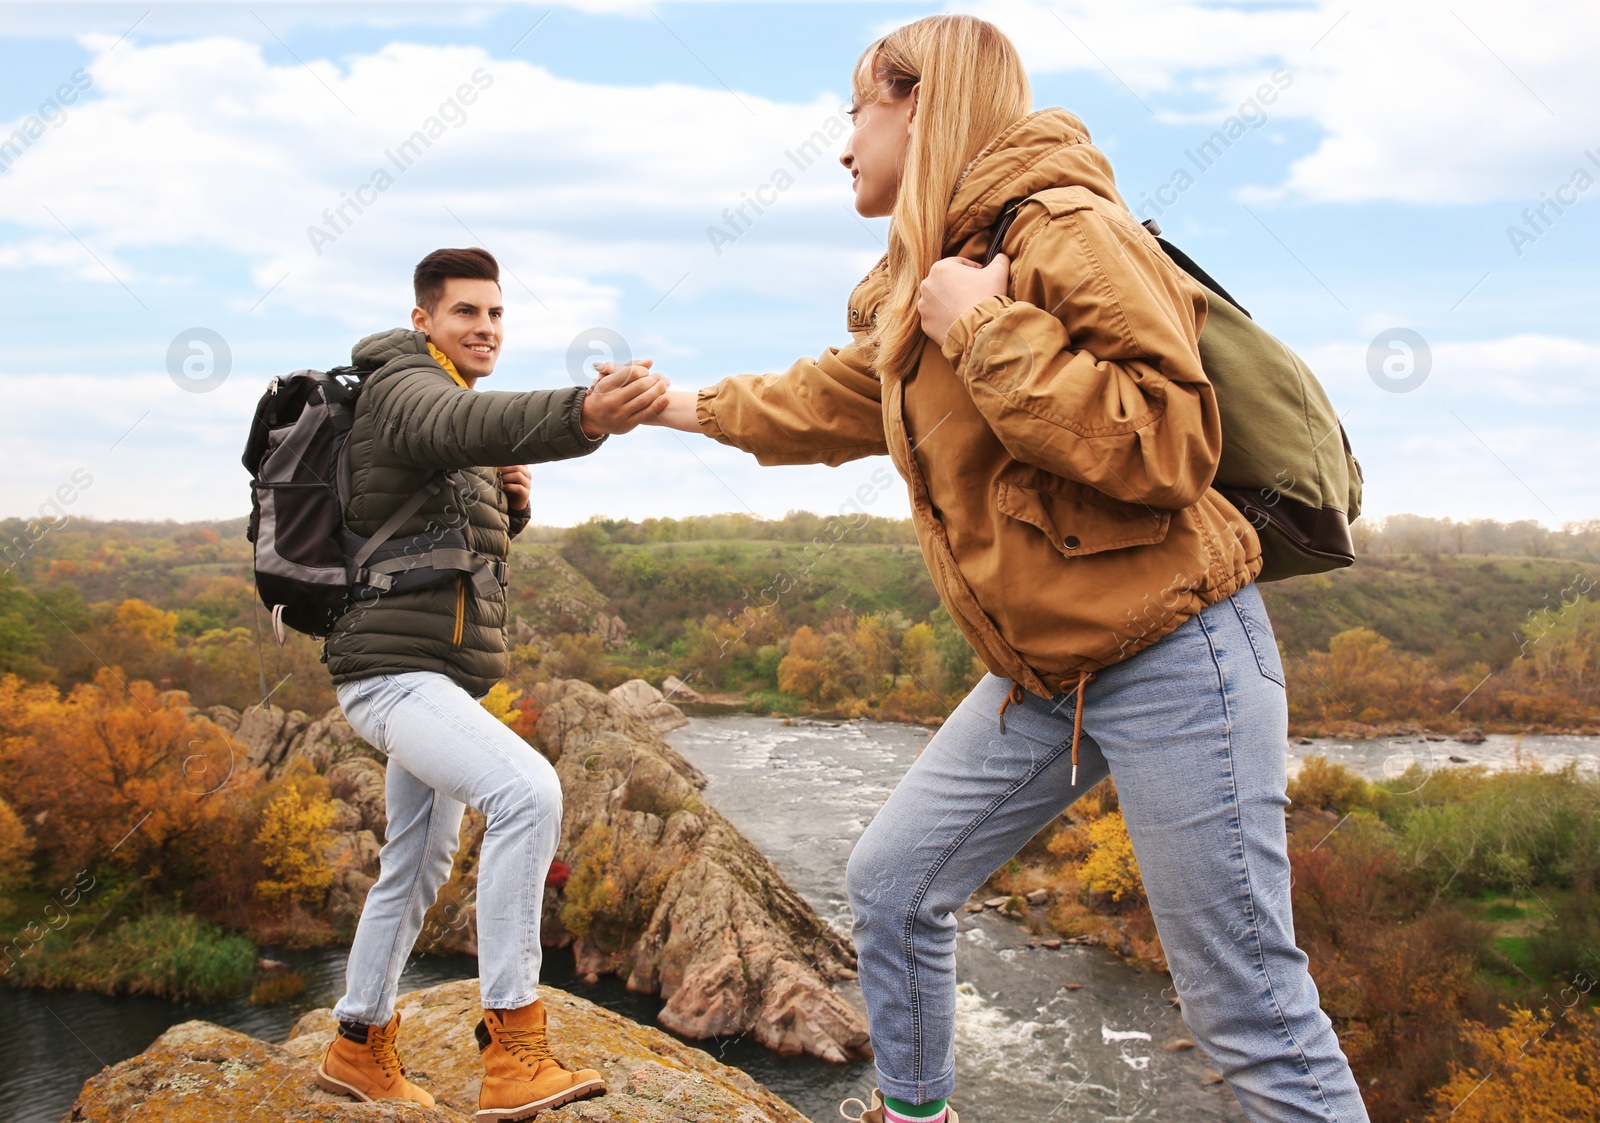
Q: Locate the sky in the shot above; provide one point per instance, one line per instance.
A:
(1416, 213)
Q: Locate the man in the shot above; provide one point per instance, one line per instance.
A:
(410, 664)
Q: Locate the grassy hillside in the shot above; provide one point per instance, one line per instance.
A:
(1460, 610)
(722, 596)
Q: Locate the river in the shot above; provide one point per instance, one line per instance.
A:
(803, 793)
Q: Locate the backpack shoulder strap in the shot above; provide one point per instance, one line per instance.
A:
(1187, 264)
(1008, 215)
(395, 521)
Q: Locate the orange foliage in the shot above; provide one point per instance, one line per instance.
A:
(1541, 1068)
(114, 774)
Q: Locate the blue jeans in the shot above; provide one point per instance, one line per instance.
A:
(446, 752)
(1194, 729)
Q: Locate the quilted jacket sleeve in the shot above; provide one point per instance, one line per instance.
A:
(421, 419)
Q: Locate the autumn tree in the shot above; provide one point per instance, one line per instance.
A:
(800, 671)
(114, 773)
(293, 838)
(1539, 1068)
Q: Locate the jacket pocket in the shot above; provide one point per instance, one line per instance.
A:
(1078, 526)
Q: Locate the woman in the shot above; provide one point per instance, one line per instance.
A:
(1051, 418)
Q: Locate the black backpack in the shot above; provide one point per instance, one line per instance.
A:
(309, 568)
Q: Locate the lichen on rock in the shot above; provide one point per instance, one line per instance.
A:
(197, 1072)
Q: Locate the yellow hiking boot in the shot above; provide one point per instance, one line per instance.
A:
(362, 1062)
(874, 1114)
(521, 1076)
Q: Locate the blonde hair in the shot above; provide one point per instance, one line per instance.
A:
(972, 88)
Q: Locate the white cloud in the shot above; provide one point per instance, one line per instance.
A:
(1421, 102)
(205, 145)
(1489, 433)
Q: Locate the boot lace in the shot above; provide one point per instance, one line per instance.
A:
(384, 1052)
(531, 1046)
(861, 1110)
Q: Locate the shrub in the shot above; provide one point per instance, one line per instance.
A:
(163, 954)
(501, 702)
(294, 834)
(279, 986)
(1329, 787)
(1541, 1068)
(1111, 867)
(616, 882)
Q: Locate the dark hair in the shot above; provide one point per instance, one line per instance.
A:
(440, 265)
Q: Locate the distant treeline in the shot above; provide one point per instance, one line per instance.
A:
(1416, 534)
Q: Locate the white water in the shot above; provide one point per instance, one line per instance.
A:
(1026, 1046)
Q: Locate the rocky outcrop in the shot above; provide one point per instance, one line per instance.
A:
(197, 1072)
(549, 597)
(674, 689)
(701, 918)
(663, 891)
(269, 738)
(647, 702)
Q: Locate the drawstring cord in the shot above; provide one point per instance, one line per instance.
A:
(1016, 695)
(1084, 679)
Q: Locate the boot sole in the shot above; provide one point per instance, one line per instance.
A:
(339, 1087)
(586, 1090)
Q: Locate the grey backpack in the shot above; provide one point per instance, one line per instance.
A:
(309, 567)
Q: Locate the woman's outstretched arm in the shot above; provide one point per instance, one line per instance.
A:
(678, 413)
(826, 410)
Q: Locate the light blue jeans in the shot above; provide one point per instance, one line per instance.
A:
(446, 752)
(1194, 729)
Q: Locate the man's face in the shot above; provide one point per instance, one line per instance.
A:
(468, 325)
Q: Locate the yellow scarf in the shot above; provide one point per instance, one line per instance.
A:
(449, 368)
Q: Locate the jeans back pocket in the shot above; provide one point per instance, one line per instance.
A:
(1257, 626)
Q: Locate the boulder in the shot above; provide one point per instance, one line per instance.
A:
(324, 742)
(359, 781)
(676, 690)
(701, 918)
(646, 701)
(259, 732)
(353, 858)
(346, 816)
(225, 716)
(201, 1072)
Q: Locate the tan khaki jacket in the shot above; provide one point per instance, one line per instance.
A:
(1060, 448)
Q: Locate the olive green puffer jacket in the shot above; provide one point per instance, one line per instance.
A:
(412, 422)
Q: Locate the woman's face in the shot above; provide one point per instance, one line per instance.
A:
(876, 150)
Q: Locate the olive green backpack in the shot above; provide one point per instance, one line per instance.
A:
(1280, 466)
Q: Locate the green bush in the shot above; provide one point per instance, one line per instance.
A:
(168, 955)
(774, 702)
(1329, 787)
(1469, 831)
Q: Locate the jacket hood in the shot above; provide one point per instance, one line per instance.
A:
(1047, 148)
(373, 352)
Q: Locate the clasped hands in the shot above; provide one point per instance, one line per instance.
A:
(619, 399)
(631, 394)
